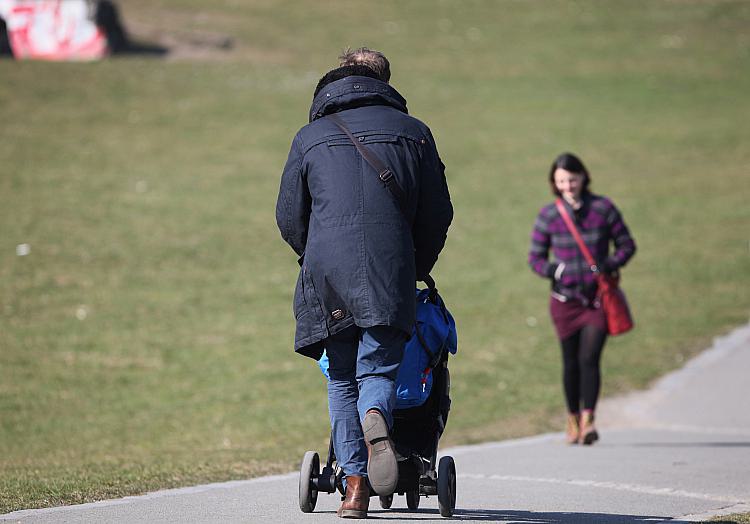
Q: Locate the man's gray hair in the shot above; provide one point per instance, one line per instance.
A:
(375, 60)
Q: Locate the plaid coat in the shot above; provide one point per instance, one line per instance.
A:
(600, 224)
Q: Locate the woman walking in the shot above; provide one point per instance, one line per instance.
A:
(579, 320)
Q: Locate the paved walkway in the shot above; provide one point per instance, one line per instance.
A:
(679, 452)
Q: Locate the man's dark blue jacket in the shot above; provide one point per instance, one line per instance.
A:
(360, 256)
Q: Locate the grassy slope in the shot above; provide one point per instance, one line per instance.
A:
(146, 191)
(735, 518)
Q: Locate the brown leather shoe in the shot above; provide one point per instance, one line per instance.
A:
(382, 466)
(589, 434)
(357, 499)
(572, 429)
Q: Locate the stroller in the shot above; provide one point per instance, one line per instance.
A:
(422, 407)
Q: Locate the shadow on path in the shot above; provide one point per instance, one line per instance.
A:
(691, 445)
(517, 517)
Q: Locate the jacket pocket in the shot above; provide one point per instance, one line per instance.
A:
(363, 139)
(299, 305)
(310, 297)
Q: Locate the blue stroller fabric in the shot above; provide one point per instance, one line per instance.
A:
(434, 333)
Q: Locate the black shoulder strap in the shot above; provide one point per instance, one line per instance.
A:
(388, 179)
(385, 174)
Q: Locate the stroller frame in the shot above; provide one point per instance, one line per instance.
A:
(416, 433)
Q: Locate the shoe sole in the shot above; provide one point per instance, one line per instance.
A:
(382, 467)
(590, 438)
(352, 514)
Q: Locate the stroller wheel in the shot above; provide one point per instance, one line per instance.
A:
(412, 499)
(310, 470)
(386, 502)
(446, 486)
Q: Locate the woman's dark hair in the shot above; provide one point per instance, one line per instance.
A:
(569, 162)
(343, 72)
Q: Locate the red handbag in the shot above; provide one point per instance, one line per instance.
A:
(611, 297)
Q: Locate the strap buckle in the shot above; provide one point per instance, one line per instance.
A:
(386, 176)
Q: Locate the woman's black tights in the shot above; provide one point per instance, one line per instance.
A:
(581, 377)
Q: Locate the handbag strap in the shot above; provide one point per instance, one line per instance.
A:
(576, 235)
(384, 173)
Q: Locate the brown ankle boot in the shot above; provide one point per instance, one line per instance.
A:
(572, 429)
(382, 466)
(357, 498)
(589, 434)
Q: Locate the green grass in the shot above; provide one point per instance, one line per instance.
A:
(145, 342)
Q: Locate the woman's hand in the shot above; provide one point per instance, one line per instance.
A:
(559, 270)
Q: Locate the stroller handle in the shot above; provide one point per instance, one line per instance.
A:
(429, 281)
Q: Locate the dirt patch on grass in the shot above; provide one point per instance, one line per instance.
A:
(193, 36)
(205, 46)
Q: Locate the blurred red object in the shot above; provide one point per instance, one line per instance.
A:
(57, 30)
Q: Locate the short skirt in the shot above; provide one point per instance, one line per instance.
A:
(569, 317)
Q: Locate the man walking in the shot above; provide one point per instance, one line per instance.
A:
(363, 238)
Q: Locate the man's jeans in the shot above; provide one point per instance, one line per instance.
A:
(363, 364)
